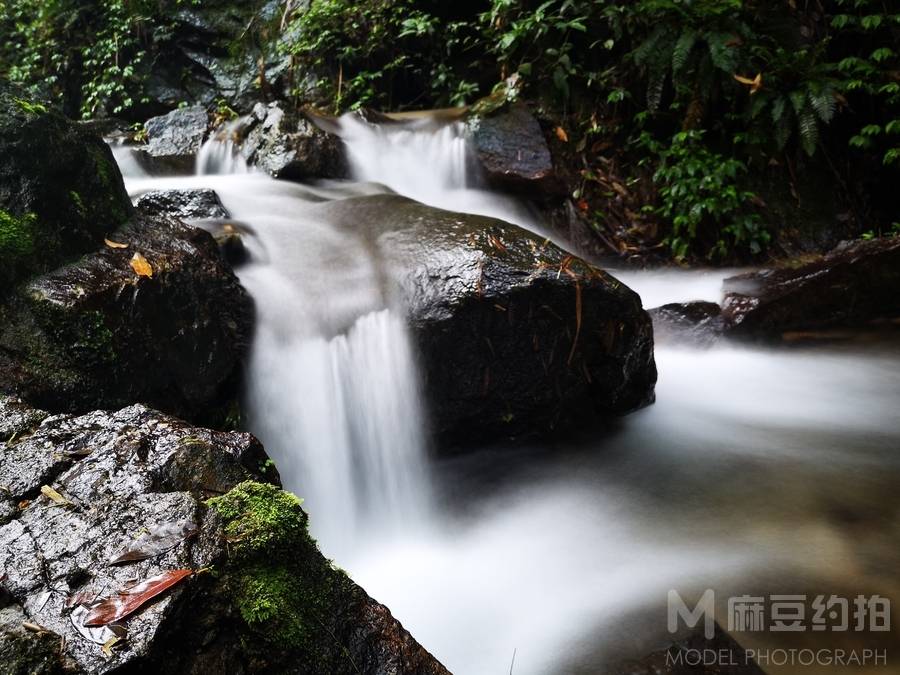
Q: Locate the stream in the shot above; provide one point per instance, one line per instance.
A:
(757, 471)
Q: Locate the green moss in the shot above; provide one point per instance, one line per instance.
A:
(285, 591)
(77, 202)
(16, 235)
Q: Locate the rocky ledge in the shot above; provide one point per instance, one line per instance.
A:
(149, 311)
(133, 542)
(515, 336)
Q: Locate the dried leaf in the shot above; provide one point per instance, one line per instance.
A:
(53, 495)
(99, 635)
(109, 644)
(562, 135)
(127, 601)
(158, 540)
(114, 244)
(755, 84)
(140, 266)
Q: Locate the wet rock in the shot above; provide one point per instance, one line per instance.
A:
(274, 603)
(25, 651)
(60, 190)
(174, 139)
(696, 323)
(95, 334)
(514, 335)
(853, 284)
(513, 152)
(287, 145)
(190, 204)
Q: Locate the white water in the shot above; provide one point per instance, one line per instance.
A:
(742, 477)
(431, 163)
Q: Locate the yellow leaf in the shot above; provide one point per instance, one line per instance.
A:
(562, 135)
(114, 244)
(109, 644)
(53, 495)
(140, 266)
(755, 84)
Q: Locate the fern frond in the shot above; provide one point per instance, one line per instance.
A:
(682, 51)
(824, 104)
(655, 88)
(778, 108)
(809, 130)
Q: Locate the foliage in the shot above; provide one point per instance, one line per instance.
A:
(700, 196)
(99, 47)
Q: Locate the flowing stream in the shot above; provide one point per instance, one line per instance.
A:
(756, 471)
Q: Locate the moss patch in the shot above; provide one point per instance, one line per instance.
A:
(286, 592)
(16, 236)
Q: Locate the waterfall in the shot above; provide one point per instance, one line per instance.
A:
(430, 160)
(220, 153)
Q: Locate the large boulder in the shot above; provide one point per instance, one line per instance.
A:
(287, 145)
(514, 335)
(513, 152)
(60, 190)
(96, 333)
(260, 596)
(174, 139)
(855, 283)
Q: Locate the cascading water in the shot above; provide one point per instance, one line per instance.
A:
(221, 154)
(430, 161)
(562, 555)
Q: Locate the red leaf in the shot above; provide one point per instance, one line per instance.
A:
(127, 601)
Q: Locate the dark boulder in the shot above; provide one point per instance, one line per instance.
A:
(261, 598)
(515, 336)
(513, 152)
(174, 139)
(200, 203)
(855, 283)
(60, 190)
(696, 323)
(97, 334)
(287, 145)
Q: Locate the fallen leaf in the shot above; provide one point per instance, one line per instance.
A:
(53, 495)
(100, 635)
(127, 601)
(24, 504)
(109, 644)
(140, 266)
(562, 135)
(158, 540)
(755, 84)
(114, 244)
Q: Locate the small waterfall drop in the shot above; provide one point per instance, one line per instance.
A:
(220, 153)
(430, 160)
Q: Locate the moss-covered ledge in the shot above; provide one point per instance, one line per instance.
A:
(298, 612)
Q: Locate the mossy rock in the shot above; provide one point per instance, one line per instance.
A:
(299, 613)
(60, 189)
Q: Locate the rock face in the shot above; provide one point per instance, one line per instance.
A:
(514, 335)
(696, 323)
(174, 139)
(513, 152)
(854, 283)
(287, 145)
(60, 190)
(272, 603)
(182, 204)
(96, 334)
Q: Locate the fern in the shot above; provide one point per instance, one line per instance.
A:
(682, 51)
